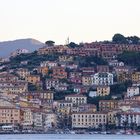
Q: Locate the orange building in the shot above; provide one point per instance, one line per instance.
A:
(52, 49)
(34, 79)
(43, 70)
(107, 105)
(59, 73)
(9, 115)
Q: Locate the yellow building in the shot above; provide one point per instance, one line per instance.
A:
(24, 104)
(34, 79)
(123, 76)
(107, 105)
(111, 117)
(9, 115)
(89, 119)
(103, 90)
(64, 107)
(43, 70)
(46, 96)
(87, 80)
(52, 50)
(135, 77)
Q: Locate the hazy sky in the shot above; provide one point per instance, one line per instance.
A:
(81, 20)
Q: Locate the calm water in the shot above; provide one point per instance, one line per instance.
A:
(69, 137)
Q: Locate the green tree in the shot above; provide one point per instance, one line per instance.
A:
(90, 61)
(73, 45)
(119, 38)
(133, 40)
(50, 43)
(130, 58)
(31, 87)
(119, 88)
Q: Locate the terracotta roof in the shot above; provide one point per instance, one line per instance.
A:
(92, 113)
(75, 95)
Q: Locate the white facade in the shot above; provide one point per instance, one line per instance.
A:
(56, 85)
(27, 118)
(76, 99)
(104, 78)
(19, 51)
(132, 91)
(23, 73)
(50, 120)
(48, 64)
(62, 87)
(115, 63)
(24, 62)
(72, 66)
(4, 60)
(128, 118)
(93, 93)
(52, 83)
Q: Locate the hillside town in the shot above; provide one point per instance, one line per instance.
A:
(70, 89)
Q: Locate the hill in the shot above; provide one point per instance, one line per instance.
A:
(7, 47)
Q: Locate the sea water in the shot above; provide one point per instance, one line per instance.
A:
(68, 137)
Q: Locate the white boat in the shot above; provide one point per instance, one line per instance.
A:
(104, 132)
(118, 133)
(72, 132)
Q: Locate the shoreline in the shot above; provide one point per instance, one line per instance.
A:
(69, 134)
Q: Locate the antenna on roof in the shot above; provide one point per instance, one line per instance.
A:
(67, 41)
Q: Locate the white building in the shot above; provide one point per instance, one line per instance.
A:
(48, 64)
(128, 118)
(132, 91)
(76, 99)
(52, 83)
(93, 93)
(115, 63)
(62, 87)
(24, 62)
(23, 72)
(2, 60)
(50, 120)
(104, 78)
(27, 118)
(38, 120)
(19, 51)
